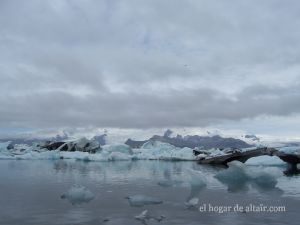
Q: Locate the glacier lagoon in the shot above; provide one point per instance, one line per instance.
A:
(78, 192)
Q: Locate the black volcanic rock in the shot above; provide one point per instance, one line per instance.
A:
(194, 141)
(52, 145)
(82, 145)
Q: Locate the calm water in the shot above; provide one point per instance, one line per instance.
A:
(31, 194)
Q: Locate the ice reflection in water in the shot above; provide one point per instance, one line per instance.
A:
(31, 192)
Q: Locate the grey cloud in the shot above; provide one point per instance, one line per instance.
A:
(195, 107)
(147, 63)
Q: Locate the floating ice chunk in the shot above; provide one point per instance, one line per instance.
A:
(144, 217)
(192, 203)
(52, 155)
(119, 156)
(4, 145)
(265, 181)
(4, 152)
(234, 174)
(121, 148)
(265, 161)
(141, 200)
(155, 150)
(290, 150)
(235, 177)
(78, 194)
(238, 175)
(156, 144)
(80, 149)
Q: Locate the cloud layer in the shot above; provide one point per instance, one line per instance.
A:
(141, 64)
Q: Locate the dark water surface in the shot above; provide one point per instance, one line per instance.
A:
(30, 193)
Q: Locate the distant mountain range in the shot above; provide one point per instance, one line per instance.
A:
(193, 141)
(58, 138)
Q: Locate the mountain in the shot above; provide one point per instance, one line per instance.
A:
(58, 138)
(193, 141)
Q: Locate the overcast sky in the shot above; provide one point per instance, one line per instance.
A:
(150, 63)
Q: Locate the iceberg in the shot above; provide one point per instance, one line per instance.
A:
(144, 217)
(155, 150)
(141, 200)
(4, 145)
(265, 160)
(290, 150)
(192, 203)
(121, 148)
(78, 195)
(264, 179)
(90, 150)
(238, 175)
(235, 177)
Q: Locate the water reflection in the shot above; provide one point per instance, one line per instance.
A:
(33, 190)
(172, 174)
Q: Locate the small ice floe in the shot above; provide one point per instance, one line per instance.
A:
(141, 200)
(144, 217)
(192, 203)
(78, 195)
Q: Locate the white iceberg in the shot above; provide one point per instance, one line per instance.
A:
(234, 174)
(155, 150)
(121, 148)
(4, 145)
(78, 195)
(141, 200)
(144, 217)
(265, 160)
(192, 203)
(290, 150)
(238, 175)
(81, 149)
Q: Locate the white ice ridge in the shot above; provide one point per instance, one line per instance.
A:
(151, 150)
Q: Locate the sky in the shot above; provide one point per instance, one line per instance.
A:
(144, 64)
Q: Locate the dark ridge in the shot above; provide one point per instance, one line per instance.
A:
(194, 141)
(56, 139)
(135, 144)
